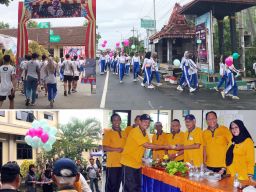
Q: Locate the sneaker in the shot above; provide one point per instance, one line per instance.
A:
(142, 84)
(191, 90)
(135, 80)
(216, 89)
(27, 102)
(179, 88)
(121, 81)
(159, 84)
(51, 103)
(113, 73)
(74, 91)
(223, 94)
(65, 93)
(151, 87)
(235, 97)
(229, 95)
(69, 92)
(32, 104)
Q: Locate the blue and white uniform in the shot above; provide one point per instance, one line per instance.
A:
(121, 63)
(107, 62)
(136, 66)
(223, 75)
(155, 72)
(147, 65)
(192, 72)
(102, 63)
(127, 65)
(185, 77)
(114, 65)
(231, 81)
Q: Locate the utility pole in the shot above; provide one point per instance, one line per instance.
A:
(133, 30)
(242, 43)
(154, 1)
(49, 37)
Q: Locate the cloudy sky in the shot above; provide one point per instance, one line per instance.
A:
(66, 115)
(10, 15)
(116, 18)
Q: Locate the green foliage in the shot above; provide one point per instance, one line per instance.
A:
(32, 24)
(77, 136)
(24, 167)
(174, 167)
(6, 2)
(139, 46)
(34, 47)
(4, 25)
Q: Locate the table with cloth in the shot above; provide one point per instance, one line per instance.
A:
(154, 180)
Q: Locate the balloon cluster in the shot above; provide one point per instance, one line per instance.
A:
(126, 42)
(230, 60)
(41, 135)
(104, 43)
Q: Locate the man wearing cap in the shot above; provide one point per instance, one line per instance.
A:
(131, 158)
(159, 138)
(93, 172)
(65, 174)
(176, 137)
(193, 142)
(10, 177)
(136, 124)
(216, 139)
(113, 143)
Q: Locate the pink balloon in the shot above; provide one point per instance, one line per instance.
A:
(44, 137)
(31, 132)
(118, 44)
(229, 61)
(111, 54)
(105, 42)
(103, 45)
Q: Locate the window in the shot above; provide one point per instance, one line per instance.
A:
(125, 116)
(27, 116)
(48, 116)
(24, 151)
(2, 113)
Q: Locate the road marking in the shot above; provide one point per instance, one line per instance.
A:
(104, 94)
(150, 105)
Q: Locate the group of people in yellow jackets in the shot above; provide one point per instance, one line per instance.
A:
(220, 149)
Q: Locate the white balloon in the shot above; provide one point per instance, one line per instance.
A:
(28, 139)
(53, 131)
(51, 140)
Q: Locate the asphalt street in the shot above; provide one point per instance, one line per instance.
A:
(131, 95)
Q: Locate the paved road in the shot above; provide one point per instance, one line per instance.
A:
(130, 95)
(83, 99)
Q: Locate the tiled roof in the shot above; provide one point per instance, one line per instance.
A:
(70, 36)
(177, 27)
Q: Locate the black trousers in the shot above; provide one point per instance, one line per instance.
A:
(113, 179)
(131, 179)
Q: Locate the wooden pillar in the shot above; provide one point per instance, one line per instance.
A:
(169, 51)
(160, 50)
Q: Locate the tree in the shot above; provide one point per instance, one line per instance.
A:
(76, 136)
(4, 25)
(98, 37)
(34, 47)
(32, 24)
(6, 2)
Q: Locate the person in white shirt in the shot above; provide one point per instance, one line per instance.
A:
(43, 64)
(76, 67)
(136, 66)
(147, 65)
(127, 64)
(223, 75)
(121, 64)
(32, 75)
(51, 81)
(23, 65)
(155, 69)
(7, 81)
(68, 74)
(107, 65)
(102, 63)
(114, 63)
(93, 172)
(192, 72)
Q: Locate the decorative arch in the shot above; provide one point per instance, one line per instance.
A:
(80, 8)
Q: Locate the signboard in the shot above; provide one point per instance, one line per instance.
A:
(43, 25)
(55, 38)
(72, 51)
(148, 24)
(204, 39)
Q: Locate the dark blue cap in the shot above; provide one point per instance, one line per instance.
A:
(65, 167)
(190, 117)
(145, 117)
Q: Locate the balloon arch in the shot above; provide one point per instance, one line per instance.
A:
(30, 9)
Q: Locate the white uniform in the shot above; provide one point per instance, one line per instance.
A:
(42, 69)
(76, 66)
(222, 69)
(23, 65)
(67, 68)
(154, 65)
(135, 60)
(32, 67)
(6, 72)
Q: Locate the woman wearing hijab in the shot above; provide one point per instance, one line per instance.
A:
(31, 179)
(240, 154)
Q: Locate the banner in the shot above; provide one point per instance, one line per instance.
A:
(72, 51)
(204, 40)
